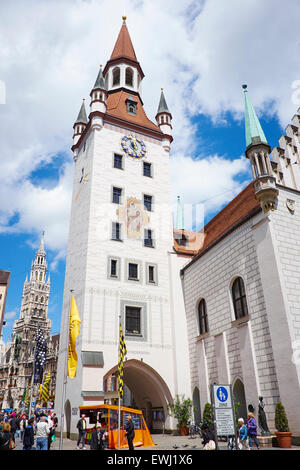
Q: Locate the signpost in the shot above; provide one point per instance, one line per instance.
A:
(223, 409)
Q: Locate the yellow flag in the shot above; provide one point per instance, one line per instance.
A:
(73, 333)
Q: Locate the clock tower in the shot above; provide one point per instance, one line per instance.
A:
(121, 265)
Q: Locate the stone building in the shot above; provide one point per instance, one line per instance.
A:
(16, 366)
(242, 287)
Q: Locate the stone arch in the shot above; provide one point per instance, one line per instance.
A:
(239, 396)
(148, 389)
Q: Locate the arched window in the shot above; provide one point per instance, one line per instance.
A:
(239, 298)
(116, 76)
(129, 76)
(36, 299)
(202, 317)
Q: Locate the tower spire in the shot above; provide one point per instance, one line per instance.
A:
(179, 215)
(253, 130)
(257, 150)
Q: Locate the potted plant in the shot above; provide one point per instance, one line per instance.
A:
(181, 409)
(283, 434)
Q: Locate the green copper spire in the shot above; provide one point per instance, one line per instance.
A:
(179, 216)
(254, 132)
(82, 118)
(162, 107)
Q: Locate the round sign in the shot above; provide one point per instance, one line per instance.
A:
(222, 394)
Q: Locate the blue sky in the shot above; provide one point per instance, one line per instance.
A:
(200, 52)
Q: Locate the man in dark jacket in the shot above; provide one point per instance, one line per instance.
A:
(97, 438)
(14, 425)
(81, 426)
(129, 428)
(28, 439)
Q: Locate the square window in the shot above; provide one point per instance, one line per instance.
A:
(132, 271)
(133, 320)
(147, 170)
(116, 196)
(148, 202)
(116, 231)
(118, 161)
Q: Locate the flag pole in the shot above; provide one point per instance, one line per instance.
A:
(65, 374)
(119, 399)
(33, 371)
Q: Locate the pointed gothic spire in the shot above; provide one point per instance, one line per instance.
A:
(123, 46)
(82, 118)
(41, 249)
(179, 215)
(100, 82)
(162, 107)
(253, 130)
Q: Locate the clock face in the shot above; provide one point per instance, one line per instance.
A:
(133, 146)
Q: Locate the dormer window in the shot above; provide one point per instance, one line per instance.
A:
(129, 76)
(116, 76)
(131, 105)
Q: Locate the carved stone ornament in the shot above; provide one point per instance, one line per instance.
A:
(290, 204)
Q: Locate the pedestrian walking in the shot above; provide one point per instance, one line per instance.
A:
(4, 438)
(8, 435)
(129, 428)
(81, 426)
(97, 438)
(208, 438)
(23, 424)
(28, 437)
(13, 426)
(252, 431)
(42, 431)
(243, 435)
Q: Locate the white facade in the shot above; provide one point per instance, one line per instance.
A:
(156, 368)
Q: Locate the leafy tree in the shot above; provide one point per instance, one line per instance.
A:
(181, 409)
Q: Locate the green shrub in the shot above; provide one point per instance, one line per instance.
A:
(281, 421)
(208, 414)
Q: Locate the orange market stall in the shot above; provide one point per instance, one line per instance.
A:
(107, 416)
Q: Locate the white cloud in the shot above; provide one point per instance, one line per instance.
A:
(200, 52)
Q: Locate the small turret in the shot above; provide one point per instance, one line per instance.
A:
(258, 150)
(164, 119)
(99, 94)
(80, 124)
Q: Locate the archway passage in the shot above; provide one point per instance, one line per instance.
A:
(239, 397)
(197, 407)
(149, 393)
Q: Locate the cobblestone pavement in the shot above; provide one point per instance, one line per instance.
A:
(162, 441)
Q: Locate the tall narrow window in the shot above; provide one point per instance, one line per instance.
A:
(151, 275)
(202, 317)
(239, 298)
(116, 196)
(148, 241)
(133, 320)
(148, 202)
(147, 169)
(129, 76)
(118, 161)
(113, 268)
(116, 76)
(116, 231)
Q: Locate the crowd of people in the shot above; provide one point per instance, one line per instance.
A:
(38, 429)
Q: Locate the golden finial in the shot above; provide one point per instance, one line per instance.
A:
(100, 65)
(124, 18)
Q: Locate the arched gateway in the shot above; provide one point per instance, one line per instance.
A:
(149, 392)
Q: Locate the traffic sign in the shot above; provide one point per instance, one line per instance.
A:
(223, 410)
